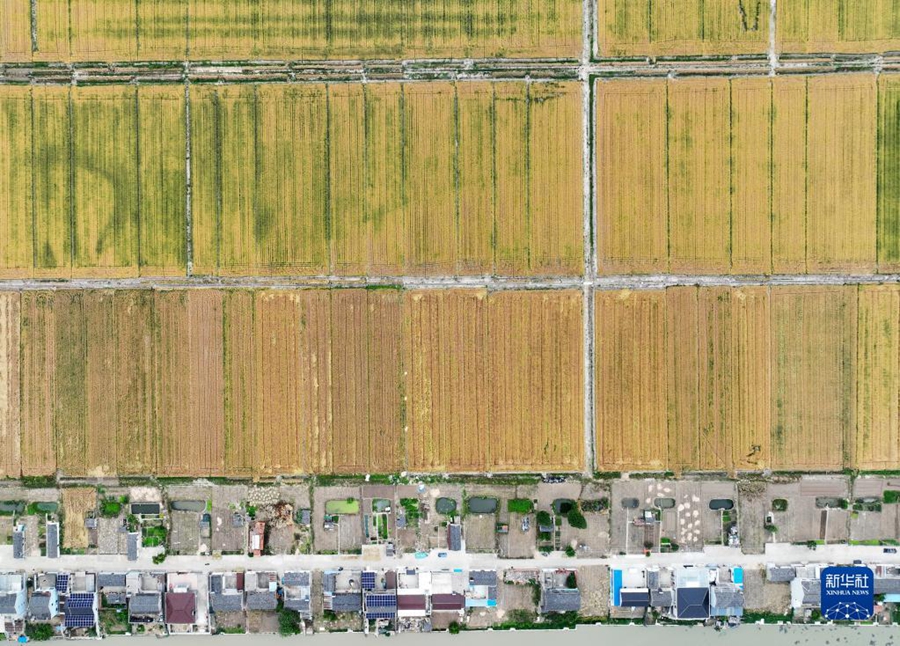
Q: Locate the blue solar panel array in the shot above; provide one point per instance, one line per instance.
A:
(380, 615)
(381, 600)
(80, 600)
(62, 582)
(368, 580)
(79, 621)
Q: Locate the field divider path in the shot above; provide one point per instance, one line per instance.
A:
(498, 283)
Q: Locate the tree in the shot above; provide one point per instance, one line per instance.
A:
(571, 581)
(543, 518)
(576, 519)
(570, 551)
(39, 632)
(454, 628)
(288, 623)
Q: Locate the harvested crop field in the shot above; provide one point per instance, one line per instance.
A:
(723, 379)
(91, 30)
(746, 175)
(681, 27)
(76, 503)
(861, 26)
(433, 178)
(494, 380)
(256, 383)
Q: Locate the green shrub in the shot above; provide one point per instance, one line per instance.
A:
(891, 497)
(288, 623)
(571, 581)
(39, 632)
(453, 628)
(520, 506)
(576, 519)
(780, 504)
(570, 551)
(543, 518)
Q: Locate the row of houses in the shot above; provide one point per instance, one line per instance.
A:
(408, 599)
(805, 583)
(154, 602)
(680, 593)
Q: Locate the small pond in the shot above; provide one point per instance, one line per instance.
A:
(11, 507)
(630, 503)
(445, 506)
(482, 505)
(189, 505)
(145, 508)
(664, 503)
(47, 507)
(563, 506)
(724, 504)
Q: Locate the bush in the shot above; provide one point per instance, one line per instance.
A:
(543, 518)
(520, 506)
(769, 527)
(288, 623)
(39, 632)
(576, 519)
(453, 628)
(891, 497)
(570, 551)
(572, 581)
(159, 558)
(780, 504)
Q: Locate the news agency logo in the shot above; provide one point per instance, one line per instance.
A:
(848, 593)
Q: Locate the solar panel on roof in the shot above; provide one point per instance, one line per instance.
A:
(381, 600)
(380, 615)
(79, 621)
(62, 582)
(80, 600)
(368, 580)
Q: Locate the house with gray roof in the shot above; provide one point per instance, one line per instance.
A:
(805, 593)
(112, 588)
(52, 540)
(226, 592)
(12, 601)
(296, 590)
(19, 542)
(559, 591)
(43, 606)
(482, 590)
(261, 590)
(780, 573)
(342, 590)
(133, 541)
(887, 585)
(726, 600)
(145, 608)
(454, 537)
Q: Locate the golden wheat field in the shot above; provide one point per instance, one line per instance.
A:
(387, 179)
(850, 27)
(101, 190)
(728, 379)
(308, 179)
(745, 175)
(110, 30)
(258, 383)
(681, 27)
